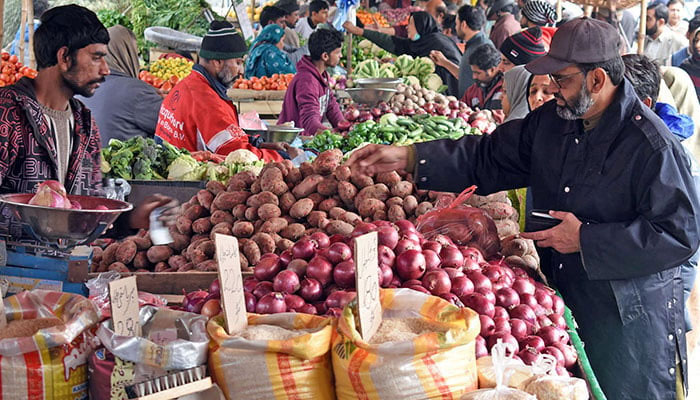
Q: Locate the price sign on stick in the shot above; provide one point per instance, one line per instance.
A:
(3, 317)
(231, 283)
(369, 306)
(124, 300)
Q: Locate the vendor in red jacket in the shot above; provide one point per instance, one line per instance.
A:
(309, 98)
(199, 115)
(487, 90)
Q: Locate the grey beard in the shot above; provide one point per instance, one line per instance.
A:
(581, 104)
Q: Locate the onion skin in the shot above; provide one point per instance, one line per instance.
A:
(311, 290)
(271, 303)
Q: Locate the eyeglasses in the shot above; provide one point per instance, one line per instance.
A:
(559, 79)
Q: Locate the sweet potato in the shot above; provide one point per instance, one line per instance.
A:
(361, 180)
(266, 197)
(328, 186)
(379, 191)
(396, 213)
(258, 224)
(388, 178)
(306, 169)
(379, 216)
(207, 266)
(368, 207)
(242, 229)
(269, 211)
(273, 225)
(238, 211)
(307, 186)
(251, 250)
(205, 198)
(227, 200)
(342, 173)
(180, 242)
(202, 225)
(194, 212)
(336, 212)
(293, 231)
(339, 227)
(423, 208)
(183, 225)
(161, 267)
(255, 187)
(197, 256)
(316, 198)
(242, 180)
(402, 189)
(265, 242)
(118, 267)
(301, 208)
(347, 192)
(222, 228)
(220, 216)
(351, 218)
(188, 266)
(498, 210)
(284, 244)
(215, 187)
(208, 248)
(269, 176)
(251, 213)
(506, 227)
(109, 255)
(126, 252)
(159, 253)
(318, 218)
(177, 261)
(142, 242)
(192, 202)
(410, 203)
(193, 245)
(286, 201)
(327, 161)
(199, 236)
(141, 261)
(293, 177)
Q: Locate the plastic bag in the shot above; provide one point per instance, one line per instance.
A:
(434, 365)
(516, 370)
(251, 120)
(296, 368)
(547, 385)
(98, 292)
(501, 391)
(466, 226)
(51, 364)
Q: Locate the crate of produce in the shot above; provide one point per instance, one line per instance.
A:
(250, 94)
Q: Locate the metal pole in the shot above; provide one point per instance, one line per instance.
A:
(348, 63)
(22, 24)
(30, 24)
(559, 10)
(642, 27)
(2, 20)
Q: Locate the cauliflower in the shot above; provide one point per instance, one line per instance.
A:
(432, 82)
(241, 156)
(186, 168)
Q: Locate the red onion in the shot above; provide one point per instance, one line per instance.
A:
(411, 282)
(308, 309)
(332, 288)
(322, 240)
(533, 341)
(395, 281)
(298, 266)
(410, 264)
(539, 311)
(551, 335)
(267, 267)
(249, 283)
(385, 256)
(472, 253)
(386, 276)
(507, 298)
(523, 312)
(311, 290)
(451, 257)
(543, 320)
(432, 260)
(337, 238)
(528, 299)
(524, 286)
(285, 258)
(405, 225)
(271, 303)
(363, 228)
(412, 236)
(502, 325)
(320, 307)
(444, 240)
(519, 272)
(492, 272)
(263, 288)
(479, 280)
(194, 300)
(293, 302)
(507, 272)
(488, 294)
(481, 349)
(339, 252)
(544, 298)
(419, 289)
(453, 272)
(508, 339)
(453, 299)
(558, 321)
(304, 248)
(250, 302)
(437, 282)
(570, 355)
(432, 245)
(518, 328)
(500, 312)
(339, 299)
(387, 236)
(488, 326)
(471, 265)
(335, 312)
(479, 303)
(529, 355)
(462, 286)
(557, 305)
(382, 223)
(404, 245)
(320, 269)
(553, 351)
(344, 274)
(286, 281)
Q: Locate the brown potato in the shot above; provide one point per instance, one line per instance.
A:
(301, 208)
(243, 229)
(180, 242)
(177, 261)
(222, 228)
(142, 242)
(379, 216)
(266, 197)
(109, 254)
(207, 266)
(197, 256)
(307, 186)
(202, 225)
(293, 232)
(327, 161)
(423, 208)
(251, 213)
(347, 192)
(327, 204)
(265, 242)
(227, 200)
(410, 203)
(251, 250)
(194, 212)
(287, 200)
(269, 211)
(273, 225)
(208, 248)
(396, 213)
(141, 261)
(394, 200)
(361, 180)
(342, 173)
(368, 207)
(388, 178)
(315, 218)
(402, 189)
(215, 187)
(339, 227)
(188, 266)
(126, 252)
(255, 187)
(205, 198)
(157, 254)
(336, 212)
(161, 267)
(183, 225)
(293, 177)
(351, 218)
(328, 186)
(306, 169)
(238, 211)
(284, 244)
(220, 216)
(118, 267)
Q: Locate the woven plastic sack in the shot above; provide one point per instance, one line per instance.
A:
(51, 365)
(297, 368)
(501, 364)
(436, 365)
(464, 225)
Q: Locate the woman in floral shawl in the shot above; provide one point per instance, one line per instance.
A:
(266, 56)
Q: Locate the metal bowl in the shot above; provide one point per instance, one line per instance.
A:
(369, 96)
(378, 83)
(277, 133)
(65, 228)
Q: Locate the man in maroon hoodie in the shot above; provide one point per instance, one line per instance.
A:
(309, 98)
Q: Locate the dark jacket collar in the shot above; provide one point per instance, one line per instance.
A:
(218, 87)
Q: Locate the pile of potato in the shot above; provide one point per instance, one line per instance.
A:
(268, 213)
(498, 206)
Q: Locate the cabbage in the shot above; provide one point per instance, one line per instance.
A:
(186, 168)
(432, 82)
(241, 156)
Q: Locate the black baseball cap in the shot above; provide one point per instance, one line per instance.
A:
(579, 41)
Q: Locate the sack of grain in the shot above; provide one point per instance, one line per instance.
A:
(44, 348)
(170, 340)
(425, 349)
(279, 356)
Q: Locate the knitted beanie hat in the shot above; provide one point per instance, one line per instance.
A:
(540, 12)
(524, 46)
(222, 42)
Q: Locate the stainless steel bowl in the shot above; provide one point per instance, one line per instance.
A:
(65, 228)
(369, 96)
(378, 83)
(277, 133)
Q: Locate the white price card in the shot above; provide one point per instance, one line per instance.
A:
(231, 283)
(369, 306)
(124, 301)
(3, 317)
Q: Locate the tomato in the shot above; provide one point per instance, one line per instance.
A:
(142, 75)
(5, 56)
(14, 59)
(32, 74)
(173, 80)
(282, 87)
(244, 86)
(257, 86)
(167, 86)
(18, 76)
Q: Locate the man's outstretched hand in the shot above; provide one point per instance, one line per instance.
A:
(376, 158)
(139, 218)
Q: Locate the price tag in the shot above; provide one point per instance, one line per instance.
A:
(3, 317)
(369, 306)
(231, 281)
(243, 21)
(124, 301)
